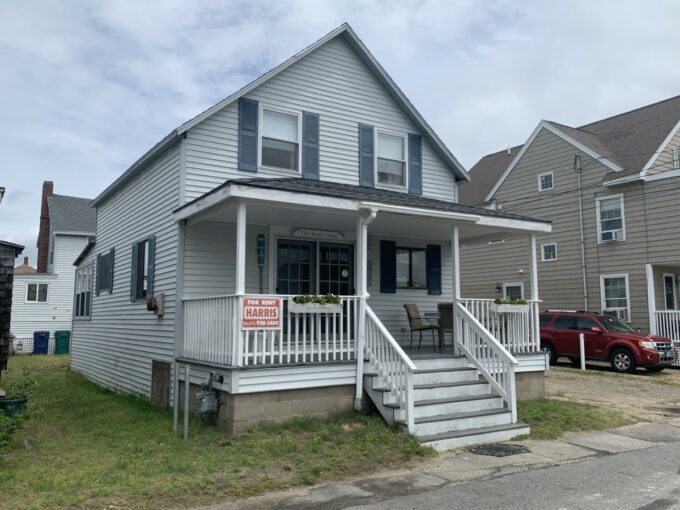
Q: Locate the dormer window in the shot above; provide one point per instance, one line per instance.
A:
(390, 160)
(279, 142)
(546, 182)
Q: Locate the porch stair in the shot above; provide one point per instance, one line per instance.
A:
(453, 406)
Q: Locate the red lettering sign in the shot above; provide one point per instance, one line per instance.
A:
(261, 313)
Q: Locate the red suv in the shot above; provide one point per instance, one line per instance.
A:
(606, 338)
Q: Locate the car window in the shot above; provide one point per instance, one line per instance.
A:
(545, 319)
(565, 322)
(615, 325)
(586, 324)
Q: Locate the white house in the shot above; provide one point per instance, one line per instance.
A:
(320, 177)
(43, 301)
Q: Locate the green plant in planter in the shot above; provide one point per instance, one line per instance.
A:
(509, 301)
(328, 299)
(13, 415)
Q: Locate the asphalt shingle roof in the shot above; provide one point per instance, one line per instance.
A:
(628, 139)
(72, 214)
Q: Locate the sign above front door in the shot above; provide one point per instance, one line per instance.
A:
(308, 233)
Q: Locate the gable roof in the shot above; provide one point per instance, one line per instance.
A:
(365, 55)
(72, 214)
(627, 143)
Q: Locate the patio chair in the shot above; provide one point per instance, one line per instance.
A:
(419, 323)
(445, 311)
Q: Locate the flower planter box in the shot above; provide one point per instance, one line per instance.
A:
(294, 307)
(509, 308)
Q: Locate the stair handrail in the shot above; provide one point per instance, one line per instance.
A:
(391, 363)
(487, 354)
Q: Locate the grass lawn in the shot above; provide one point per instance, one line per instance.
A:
(549, 419)
(90, 448)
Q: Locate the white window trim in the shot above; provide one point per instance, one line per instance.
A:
(513, 284)
(37, 292)
(676, 159)
(260, 122)
(543, 259)
(674, 278)
(603, 301)
(552, 180)
(378, 184)
(599, 221)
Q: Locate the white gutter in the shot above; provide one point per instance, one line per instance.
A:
(414, 211)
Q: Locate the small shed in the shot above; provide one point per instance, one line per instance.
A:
(8, 253)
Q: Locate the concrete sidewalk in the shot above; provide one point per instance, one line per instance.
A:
(461, 466)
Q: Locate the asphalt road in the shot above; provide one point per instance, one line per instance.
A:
(646, 479)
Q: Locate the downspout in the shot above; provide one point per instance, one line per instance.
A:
(362, 255)
(584, 268)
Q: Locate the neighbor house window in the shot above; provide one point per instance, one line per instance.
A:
(548, 252)
(546, 182)
(391, 160)
(614, 290)
(513, 290)
(610, 225)
(669, 291)
(143, 254)
(676, 159)
(280, 139)
(105, 272)
(36, 293)
(83, 291)
(411, 268)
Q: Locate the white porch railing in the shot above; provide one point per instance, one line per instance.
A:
(668, 325)
(518, 332)
(393, 366)
(486, 353)
(212, 334)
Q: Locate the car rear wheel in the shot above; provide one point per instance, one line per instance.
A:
(550, 349)
(622, 360)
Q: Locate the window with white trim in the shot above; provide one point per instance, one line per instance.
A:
(670, 291)
(546, 181)
(411, 268)
(390, 160)
(36, 292)
(548, 252)
(83, 292)
(676, 159)
(610, 224)
(614, 291)
(280, 140)
(513, 290)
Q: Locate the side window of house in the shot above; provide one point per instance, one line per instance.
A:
(676, 159)
(546, 181)
(513, 290)
(142, 270)
(280, 139)
(391, 160)
(83, 291)
(411, 268)
(610, 220)
(614, 290)
(548, 252)
(669, 290)
(36, 292)
(105, 272)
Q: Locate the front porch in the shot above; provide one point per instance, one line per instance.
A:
(256, 248)
(663, 283)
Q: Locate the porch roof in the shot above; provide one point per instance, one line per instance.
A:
(363, 197)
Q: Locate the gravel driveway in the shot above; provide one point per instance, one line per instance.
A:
(643, 395)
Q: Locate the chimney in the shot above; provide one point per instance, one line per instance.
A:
(44, 233)
(25, 261)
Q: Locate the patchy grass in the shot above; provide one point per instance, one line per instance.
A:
(549, 419)
(669, 376)
(91, 448)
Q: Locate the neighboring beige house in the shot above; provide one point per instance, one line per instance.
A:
(614, 183)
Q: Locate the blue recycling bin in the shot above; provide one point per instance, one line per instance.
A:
(41, 340)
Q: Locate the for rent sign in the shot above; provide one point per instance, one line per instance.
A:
(261, 313)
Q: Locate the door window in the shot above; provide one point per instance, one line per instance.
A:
(336, 275)
(295, 261)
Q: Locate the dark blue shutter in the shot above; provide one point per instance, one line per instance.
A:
(366, 156)
(110, 275)
(434, 269)
(310, 145)
(150, 268)
(133, 271)
(388, 267)
(247, 135)
(97, 274)
(415, 164)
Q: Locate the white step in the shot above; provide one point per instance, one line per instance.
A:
(483, 435)
(444, 375)
(436, 391)
(431, 425)
(448, 405)
(434, 363)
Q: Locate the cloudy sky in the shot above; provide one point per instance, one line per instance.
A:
(86, 86)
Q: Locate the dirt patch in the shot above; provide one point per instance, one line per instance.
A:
(643, 395)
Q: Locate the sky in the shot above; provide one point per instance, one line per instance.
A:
(86, 87)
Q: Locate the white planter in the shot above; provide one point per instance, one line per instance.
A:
(294, 307)
(509, 308)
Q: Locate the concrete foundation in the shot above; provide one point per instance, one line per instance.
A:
(530, 385)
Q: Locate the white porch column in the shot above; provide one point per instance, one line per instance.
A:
(651, 299)
(455, 282)
(533, 310)
(241, 249)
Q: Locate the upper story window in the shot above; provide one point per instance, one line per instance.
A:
(280, 139)
(411, 268)
(142, 271)
(105, 272)
(83, 292)
(548, 252)
(546, 181)
(36, 292)
(676, 159)
(390, 160)
(610, 224)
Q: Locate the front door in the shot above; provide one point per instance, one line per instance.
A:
(336, 269)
